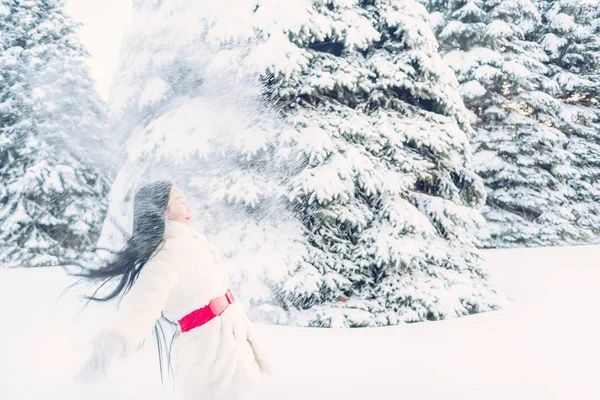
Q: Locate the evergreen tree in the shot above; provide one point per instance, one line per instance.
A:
(520, 152)
(359, 202)
(51, 200)
(184, 113)
(386, 193)
(569, 32)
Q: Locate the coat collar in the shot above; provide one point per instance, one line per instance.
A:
(178, 229)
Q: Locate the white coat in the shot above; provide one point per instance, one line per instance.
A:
(218, 360)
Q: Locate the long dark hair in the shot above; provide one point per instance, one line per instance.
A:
(149, 207)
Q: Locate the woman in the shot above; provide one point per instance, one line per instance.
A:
(169, 269)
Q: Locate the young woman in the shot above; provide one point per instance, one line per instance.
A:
(169, 269)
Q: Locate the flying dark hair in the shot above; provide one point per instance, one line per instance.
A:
(149, 207)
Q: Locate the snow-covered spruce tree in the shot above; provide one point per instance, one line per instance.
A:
(51, 201)
(520, 153)
(385, 192)
(569, 32)
(187, 111)
(359, 205)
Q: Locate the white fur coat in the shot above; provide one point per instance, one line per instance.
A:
(218, 360)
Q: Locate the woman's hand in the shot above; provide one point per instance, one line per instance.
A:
(106, 348)
(259, 355)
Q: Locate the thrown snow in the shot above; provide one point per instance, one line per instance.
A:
(543, 346)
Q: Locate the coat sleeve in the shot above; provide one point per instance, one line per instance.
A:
(142, 306)
(262, 358)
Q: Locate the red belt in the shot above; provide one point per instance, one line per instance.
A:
(205, 314)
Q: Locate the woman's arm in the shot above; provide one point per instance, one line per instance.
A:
(255, 342)
(138, 312)
(142, 306)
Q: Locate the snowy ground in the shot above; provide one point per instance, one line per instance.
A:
(544, 346)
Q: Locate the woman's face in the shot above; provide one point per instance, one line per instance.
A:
(177, 208)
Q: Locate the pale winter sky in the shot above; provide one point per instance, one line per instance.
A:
(104, 24)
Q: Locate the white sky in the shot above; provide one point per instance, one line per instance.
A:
(104, 24)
